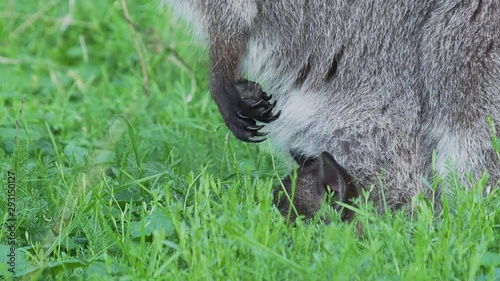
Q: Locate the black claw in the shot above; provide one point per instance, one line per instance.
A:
(274, 117)
(254, 128)
(266, 97)
(269, 109)
(260, 134)
(257, 104)
(254, 140)
(242, 116)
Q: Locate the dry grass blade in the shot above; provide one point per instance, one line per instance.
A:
(4, 60)
(33, 18)
(138, 48)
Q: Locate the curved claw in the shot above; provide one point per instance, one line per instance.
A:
(269, 109)
(242, 116)
(254, 128)
(274, 117)
(254, 140)
(267, 98)
(277, 115)
(257, 104)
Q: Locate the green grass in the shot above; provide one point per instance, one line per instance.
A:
(113, 184)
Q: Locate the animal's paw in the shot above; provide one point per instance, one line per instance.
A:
(242, 104)
(256, 102)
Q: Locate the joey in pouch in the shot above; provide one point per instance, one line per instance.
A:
(316, 178)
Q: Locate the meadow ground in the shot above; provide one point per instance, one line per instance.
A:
(123, 170)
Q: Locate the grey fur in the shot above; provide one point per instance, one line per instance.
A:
(377, 84)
